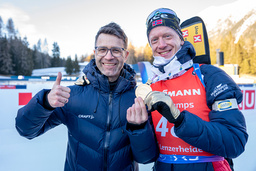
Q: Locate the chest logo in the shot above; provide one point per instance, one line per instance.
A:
(86, 116)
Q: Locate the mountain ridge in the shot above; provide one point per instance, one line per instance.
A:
(238, 17)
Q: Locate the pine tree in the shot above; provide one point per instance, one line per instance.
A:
(6, 66)
(14, 52)
(76, 65)
(21, 56)
(1, 27)
(62, 62)
(89, 57)
(56, 55)
(69, 66)
(132, 58)
(10, 28)
(83, 58)
(253, 61)
(39, 56)
(227, 46)
(252, 55)
(139, 53)
(240, 55)
(45, 48)
(25, 63)
(47, 61)
(46, 58)
(232, 48)
(213, 53)
(148, 55)
(35, 57)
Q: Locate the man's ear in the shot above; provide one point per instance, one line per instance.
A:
(182, 42)
(126, 55)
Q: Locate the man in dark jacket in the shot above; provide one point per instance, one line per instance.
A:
(94, 111)
(194, 108)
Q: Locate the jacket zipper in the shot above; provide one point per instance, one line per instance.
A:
(107, 136)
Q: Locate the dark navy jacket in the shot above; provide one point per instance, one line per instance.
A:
(95, 118)
(225, 135)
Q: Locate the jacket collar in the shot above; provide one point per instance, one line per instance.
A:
(186, 53)
(125, 81)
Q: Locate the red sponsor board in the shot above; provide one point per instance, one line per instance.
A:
(249, 99)
(7, 87)
(24, 98)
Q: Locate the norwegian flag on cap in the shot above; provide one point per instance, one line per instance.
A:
(157, 22)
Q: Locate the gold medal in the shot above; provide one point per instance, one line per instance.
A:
(143, 90)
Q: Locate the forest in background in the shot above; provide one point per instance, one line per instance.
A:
(242, 53)
(16, 58)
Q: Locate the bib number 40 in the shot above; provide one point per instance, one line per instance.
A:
(163, 129)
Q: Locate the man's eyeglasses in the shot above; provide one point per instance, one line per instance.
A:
(115, 51)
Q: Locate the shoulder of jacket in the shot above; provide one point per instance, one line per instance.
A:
(209, 69)
(83, 80)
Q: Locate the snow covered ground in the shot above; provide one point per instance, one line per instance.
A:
(47, 152)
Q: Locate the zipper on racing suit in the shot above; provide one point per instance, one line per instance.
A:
(107, 136)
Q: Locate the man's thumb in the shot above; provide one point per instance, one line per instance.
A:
(58, 79)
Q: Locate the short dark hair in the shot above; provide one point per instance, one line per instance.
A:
(113, 29)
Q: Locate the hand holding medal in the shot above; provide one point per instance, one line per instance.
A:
(137, 114)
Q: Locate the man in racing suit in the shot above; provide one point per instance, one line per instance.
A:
(196, 117)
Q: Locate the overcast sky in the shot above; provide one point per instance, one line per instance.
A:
(74, 23)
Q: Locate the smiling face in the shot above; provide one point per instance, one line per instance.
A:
(164, 41)
(109, 65)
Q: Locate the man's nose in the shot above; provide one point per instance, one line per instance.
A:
(109, 54)
(161, 43)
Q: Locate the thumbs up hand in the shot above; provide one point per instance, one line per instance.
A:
(58, 95)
